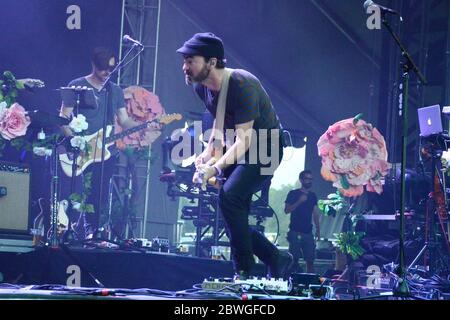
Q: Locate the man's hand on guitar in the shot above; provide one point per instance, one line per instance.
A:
(203, 174)
(201, 160)
(152, 132)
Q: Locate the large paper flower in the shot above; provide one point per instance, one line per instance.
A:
(13, 122)
(142, 106)
(354, 155)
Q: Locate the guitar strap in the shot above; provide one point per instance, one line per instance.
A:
(218, 142)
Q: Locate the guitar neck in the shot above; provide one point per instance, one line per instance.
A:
(165, 119)
(125, 133)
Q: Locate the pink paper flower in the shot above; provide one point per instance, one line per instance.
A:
(142, 106)
(353, 155)
(14, 122)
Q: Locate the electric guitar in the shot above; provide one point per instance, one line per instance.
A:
(94, 145)
(63, 218)
(38, 230)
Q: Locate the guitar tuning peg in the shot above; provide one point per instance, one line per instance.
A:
(41, 135)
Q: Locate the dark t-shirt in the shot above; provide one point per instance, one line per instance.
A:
(94, 117)
(301, 217)
(246, 100)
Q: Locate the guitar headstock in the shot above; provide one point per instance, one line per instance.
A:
(168, 118)
(32, 83)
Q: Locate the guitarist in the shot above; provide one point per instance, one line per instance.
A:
(247, 107)
(103, 62)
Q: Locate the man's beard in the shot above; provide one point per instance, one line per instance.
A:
(307, 185)
(202, 75)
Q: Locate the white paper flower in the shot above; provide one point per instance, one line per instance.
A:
(78, 142)
(78, 124)
(41, 151)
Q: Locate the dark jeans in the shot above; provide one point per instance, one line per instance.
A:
(234, 202)
(302, 244)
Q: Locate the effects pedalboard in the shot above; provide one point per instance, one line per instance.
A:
(299, 285)
(251, 284)
(156, 244)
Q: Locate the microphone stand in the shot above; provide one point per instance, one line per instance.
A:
(69, 234)
(107, 88)
(401, 288)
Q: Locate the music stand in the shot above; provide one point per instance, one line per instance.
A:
(79, 97)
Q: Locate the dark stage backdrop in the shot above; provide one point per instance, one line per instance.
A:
(51, 40)
(313, 71)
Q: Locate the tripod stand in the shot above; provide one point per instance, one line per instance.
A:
(120, 229)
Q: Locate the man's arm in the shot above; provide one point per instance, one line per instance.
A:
(232, 156)
(66, 112)
(124, 120)
(206, 155)
(289, 207)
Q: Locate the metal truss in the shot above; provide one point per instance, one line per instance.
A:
(141, 21)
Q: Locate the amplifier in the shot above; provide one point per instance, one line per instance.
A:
(14, 198)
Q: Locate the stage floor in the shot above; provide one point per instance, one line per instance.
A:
(78, 273)
(77, 266)
(81, 273)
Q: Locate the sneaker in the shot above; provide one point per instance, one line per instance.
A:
(282, 266)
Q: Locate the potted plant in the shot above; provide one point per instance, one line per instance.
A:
(347, 242)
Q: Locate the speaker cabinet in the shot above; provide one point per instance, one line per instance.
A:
(14, 198)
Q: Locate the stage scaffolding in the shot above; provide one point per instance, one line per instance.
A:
(141, 21)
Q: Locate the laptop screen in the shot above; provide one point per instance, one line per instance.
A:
(430, 120)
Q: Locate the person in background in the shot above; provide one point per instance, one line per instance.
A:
(301, 204)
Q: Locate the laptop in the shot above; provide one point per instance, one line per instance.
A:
(430, 120)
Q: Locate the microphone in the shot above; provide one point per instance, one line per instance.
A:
(126, 38)
(370, 3)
